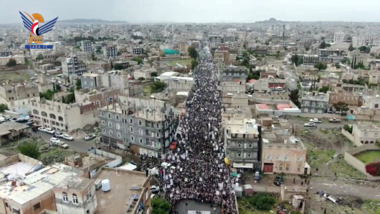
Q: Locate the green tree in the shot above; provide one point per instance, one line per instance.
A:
(93, 57)
(365, 49)
(360, 65)
(11, 63)
(194, 64)
(348, 127)
(138, 60)
(351, 48)
(296, 60)
(160, 206)
(153, 74)
(262, 201)
(323, 45)
(278, 54)
(192, 52)
(320, 66)
(3, 107)
(118, 67)
(30, 149)
(99, 50)
(57, 63)
(40, 57)
(294, 97)
(324, 89)
(341, 106)
(70, 98)
(337, 65)
(158, 86)
(141, 78)
(56, 87)
(78, 84)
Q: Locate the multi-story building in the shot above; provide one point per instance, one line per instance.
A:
(90, 81)
(310, 59)
(365, 133)
(339, 37)
(221, 56)
(110, 51)
(145, 126)
(242, 140)
(331, 56)
(314, 102)
(371, 102)
(72, 67)
(64, 117)
(287, 157)
(86, 45)
(4, 53)
(19, 97)
(358, 41)
(138, 50)
(350, 98)
(100, 97)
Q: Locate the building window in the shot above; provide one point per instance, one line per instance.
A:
(131, 129)
(130, 120)
(140, 122)
(300, 159)
(37, 206)
(64, 197)
(269, 157)
(75, 199)
(286, 158)
(141, 140)
(132, 139)
(287, 167)
(110, 124)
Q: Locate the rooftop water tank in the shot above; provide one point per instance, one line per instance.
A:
(106, 185)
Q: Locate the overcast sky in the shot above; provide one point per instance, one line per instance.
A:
(143, 11)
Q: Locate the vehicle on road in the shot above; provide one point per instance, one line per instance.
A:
(58, 134)
(90, 137)
(155, 189)
(315, 120)
(67, 137)
(64, 146)
(42, 129)
(49, 130)
(310, 124)
(278, 180)
(2, 119)
(334, 120)
(257, 176)
(54, 141)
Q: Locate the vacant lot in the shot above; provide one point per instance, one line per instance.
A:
(369, 156)
(181, 61)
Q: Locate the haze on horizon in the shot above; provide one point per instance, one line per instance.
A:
(196, 11)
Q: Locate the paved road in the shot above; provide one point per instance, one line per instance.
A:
(78, 145)
(299, 122)
(341, 188)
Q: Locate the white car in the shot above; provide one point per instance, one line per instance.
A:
(42, 129)
(67, 137)
(54, 141)
(49, 130)
(64, 146)
(58, 134)
(155, 189)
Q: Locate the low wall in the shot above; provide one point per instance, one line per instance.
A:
(267, 189)
(356, 163)
(97, 152)
(350, 137)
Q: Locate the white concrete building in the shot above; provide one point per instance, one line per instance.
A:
(338, 37)
(365, 133)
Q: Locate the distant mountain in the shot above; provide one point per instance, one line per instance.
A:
(91, 21)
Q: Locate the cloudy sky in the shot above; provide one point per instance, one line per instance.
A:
(149, 11)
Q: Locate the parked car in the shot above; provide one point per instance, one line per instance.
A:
(30, 123)
(67, 137)
(90, 137)
(49, 130)
(315, 120)
(54, 141)
(334, 120)
(155, 189)
(58, 134)
(278, 180)
(64, 146)
(310, 124)
(257, 176)
(42, 129)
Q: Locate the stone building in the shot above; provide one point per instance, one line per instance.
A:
(18, 97)
(145, 126)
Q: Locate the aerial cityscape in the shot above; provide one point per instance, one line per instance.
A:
(202, 107)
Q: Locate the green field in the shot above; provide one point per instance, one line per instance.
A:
(369, 156)
(181, 61)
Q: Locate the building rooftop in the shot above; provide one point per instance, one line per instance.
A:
(315, 96)
(246, 126)
(366, 126)
(121, 182)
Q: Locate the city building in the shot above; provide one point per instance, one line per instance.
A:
(371, 102)
(350, 98)
(86, 45)
(358, 41)
(145, 126)
(138, 50)
(221, 56)
(339, 37)
(287, 156)
(110, 51)
(242, 140)
(64, 117)
(365, 133)
(12, 131)
(73, 67)
(310, 59)
(18, 97)
(331, 56)
(312, 102)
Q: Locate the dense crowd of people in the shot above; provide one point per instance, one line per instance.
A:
(196, 169)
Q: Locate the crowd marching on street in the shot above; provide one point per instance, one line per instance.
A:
(197, 169)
